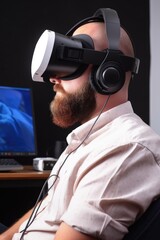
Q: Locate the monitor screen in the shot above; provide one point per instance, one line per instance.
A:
(17, 129)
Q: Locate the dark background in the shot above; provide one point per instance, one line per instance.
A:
(21, 24)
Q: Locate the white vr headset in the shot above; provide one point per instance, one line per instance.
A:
(67, 57)
(57, 55)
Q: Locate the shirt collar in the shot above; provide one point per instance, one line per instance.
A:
(80, 133)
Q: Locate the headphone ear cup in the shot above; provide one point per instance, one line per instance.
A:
(94, 83)
(108, 78)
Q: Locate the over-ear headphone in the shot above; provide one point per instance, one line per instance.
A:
(66, 56)
(108, 77)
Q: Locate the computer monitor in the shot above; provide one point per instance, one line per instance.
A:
(17, 125)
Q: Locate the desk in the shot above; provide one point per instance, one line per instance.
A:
(19, 191)
(27, 173)
(26, 177)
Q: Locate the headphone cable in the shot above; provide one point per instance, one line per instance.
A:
(39, 200)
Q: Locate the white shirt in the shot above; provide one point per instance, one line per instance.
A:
(107, 183)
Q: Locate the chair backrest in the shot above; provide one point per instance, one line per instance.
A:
(148, 226)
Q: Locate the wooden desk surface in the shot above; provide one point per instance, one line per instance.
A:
(27, 173)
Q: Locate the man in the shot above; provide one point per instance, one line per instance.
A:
(109, 173)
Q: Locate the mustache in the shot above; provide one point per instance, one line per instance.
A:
(58, 88)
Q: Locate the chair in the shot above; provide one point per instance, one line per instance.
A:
(148, 226)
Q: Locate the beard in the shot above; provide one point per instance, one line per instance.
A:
(70, 108)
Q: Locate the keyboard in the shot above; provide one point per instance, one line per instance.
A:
(10, 164)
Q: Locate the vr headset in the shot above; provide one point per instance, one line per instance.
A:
(67, 57)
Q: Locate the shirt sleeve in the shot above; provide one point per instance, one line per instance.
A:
(111, 193)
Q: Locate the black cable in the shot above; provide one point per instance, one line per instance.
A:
(30, 220)
(36, 207)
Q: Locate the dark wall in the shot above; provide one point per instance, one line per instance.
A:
(21, 24)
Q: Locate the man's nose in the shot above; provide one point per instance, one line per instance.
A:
(54, 80)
